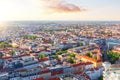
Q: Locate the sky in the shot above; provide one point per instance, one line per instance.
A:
(17, 10)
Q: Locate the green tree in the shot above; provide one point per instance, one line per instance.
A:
(12, 53)
(61, 52)
(15, 47)
(70, 60)
(113, 56)
(56, 57)
(101, 77)
(81, 44)
(95, 57)
(4, 45)
(42, 56)
(90, 54)
(72, 55)
(29, 37)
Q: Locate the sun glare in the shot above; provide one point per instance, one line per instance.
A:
(5, 10)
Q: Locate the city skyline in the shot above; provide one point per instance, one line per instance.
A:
(15, 10)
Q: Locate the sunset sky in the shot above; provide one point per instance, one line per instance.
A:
(59, 10)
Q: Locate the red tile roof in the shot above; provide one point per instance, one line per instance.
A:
(87, 63)
(92, 69)
(44, 59)
(34, 54)
(22, 70)
(54, 79)
(78, 73)
(79, 64)
(96, 68)
(88, 77)
(57, 72)
(24, 55)
(38, 79)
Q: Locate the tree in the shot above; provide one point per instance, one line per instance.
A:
(51, 31)
(90, 54)
(12, 53)
(42, 56)
(9, 45)
(16, 47)
(113, 56)
(81, 44)
(4, 45)
(72, 55)
(101, 77)
(29, 37)
(70, 60)
(61, 52)
(95, 57)
(56, 57)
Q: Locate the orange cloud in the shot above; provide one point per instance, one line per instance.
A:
(62, 7)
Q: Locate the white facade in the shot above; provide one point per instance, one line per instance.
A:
(112, 73)
(88, 66)
(106, 65)
(95, 74)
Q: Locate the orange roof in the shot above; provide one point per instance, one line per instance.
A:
(89, 59)
(44, 59)
(7, 57)
(118, 51)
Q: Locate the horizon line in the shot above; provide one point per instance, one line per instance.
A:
(58, 20)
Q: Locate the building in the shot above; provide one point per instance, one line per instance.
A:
(112, 73)
(94, 73)
(106, 65)
(111, 43)
(116, 49)
(26, 60)
(4, 76)
(82, 54)
(97, 63)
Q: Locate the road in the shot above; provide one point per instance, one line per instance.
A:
(104, 53)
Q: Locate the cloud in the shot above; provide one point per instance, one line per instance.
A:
(60, 6)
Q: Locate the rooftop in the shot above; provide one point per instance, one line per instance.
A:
(114, 69)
